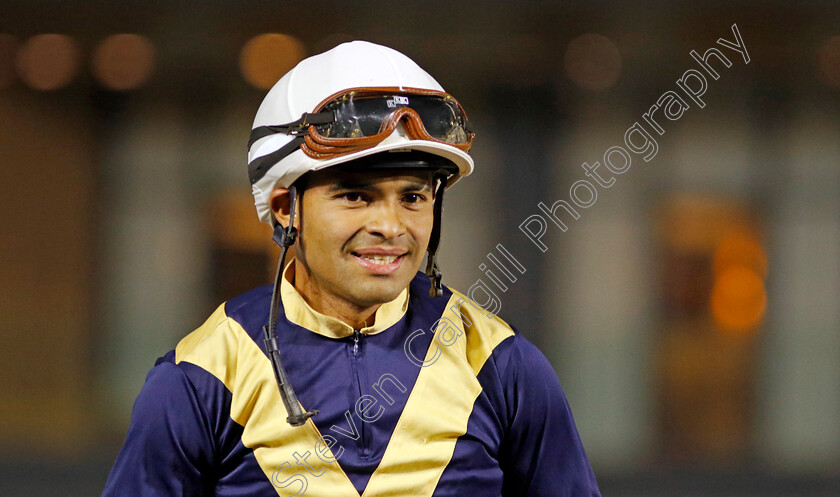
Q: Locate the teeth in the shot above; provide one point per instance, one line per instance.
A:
(380, 259)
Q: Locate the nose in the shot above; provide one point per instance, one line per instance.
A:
(386, 220)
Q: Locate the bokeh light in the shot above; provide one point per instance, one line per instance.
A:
(267, 57)
(123, 61)
(740, 266)
(8, 48)
(48, 61)
(738, 300)
(828, 61)
(593, 62)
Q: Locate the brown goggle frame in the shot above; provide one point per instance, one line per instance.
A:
(318, 146)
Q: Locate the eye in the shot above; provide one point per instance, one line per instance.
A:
(414, 198)
(353, 197)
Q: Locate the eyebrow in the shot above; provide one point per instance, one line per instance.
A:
(413, 187)
(345, 184)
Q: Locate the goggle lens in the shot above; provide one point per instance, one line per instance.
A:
(358, 115)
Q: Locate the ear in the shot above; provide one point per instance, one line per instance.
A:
(279, 203)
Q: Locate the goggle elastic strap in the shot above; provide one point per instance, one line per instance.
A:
(292, 128)
(299, 129)
(285, 237)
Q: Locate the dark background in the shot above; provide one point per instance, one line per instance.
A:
(691, 312)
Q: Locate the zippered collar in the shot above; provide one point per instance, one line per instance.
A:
(300, 313)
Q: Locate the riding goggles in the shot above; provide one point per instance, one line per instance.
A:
(361, 118)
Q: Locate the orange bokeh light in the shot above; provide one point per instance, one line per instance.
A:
(593, 62)
(739, 299)
(48, 61)
(123, 61)
(267, 57)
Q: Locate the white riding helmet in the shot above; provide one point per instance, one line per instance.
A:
(350, 104)
(357, 64)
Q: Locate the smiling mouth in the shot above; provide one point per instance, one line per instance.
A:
(381, 264)
(379, 259)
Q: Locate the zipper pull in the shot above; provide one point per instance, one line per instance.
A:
(356, 336)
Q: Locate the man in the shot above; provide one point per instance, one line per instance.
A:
(355, 374)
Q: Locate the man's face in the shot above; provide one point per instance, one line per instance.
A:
(363, 236)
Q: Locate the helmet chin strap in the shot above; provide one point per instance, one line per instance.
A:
(432, 270)
(285, 238)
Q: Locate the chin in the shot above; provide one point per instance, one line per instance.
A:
(380, 294)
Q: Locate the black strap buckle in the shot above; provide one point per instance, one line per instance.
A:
(435, 277)
(284, 237)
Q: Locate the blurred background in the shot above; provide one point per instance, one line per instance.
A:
(691, 310)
